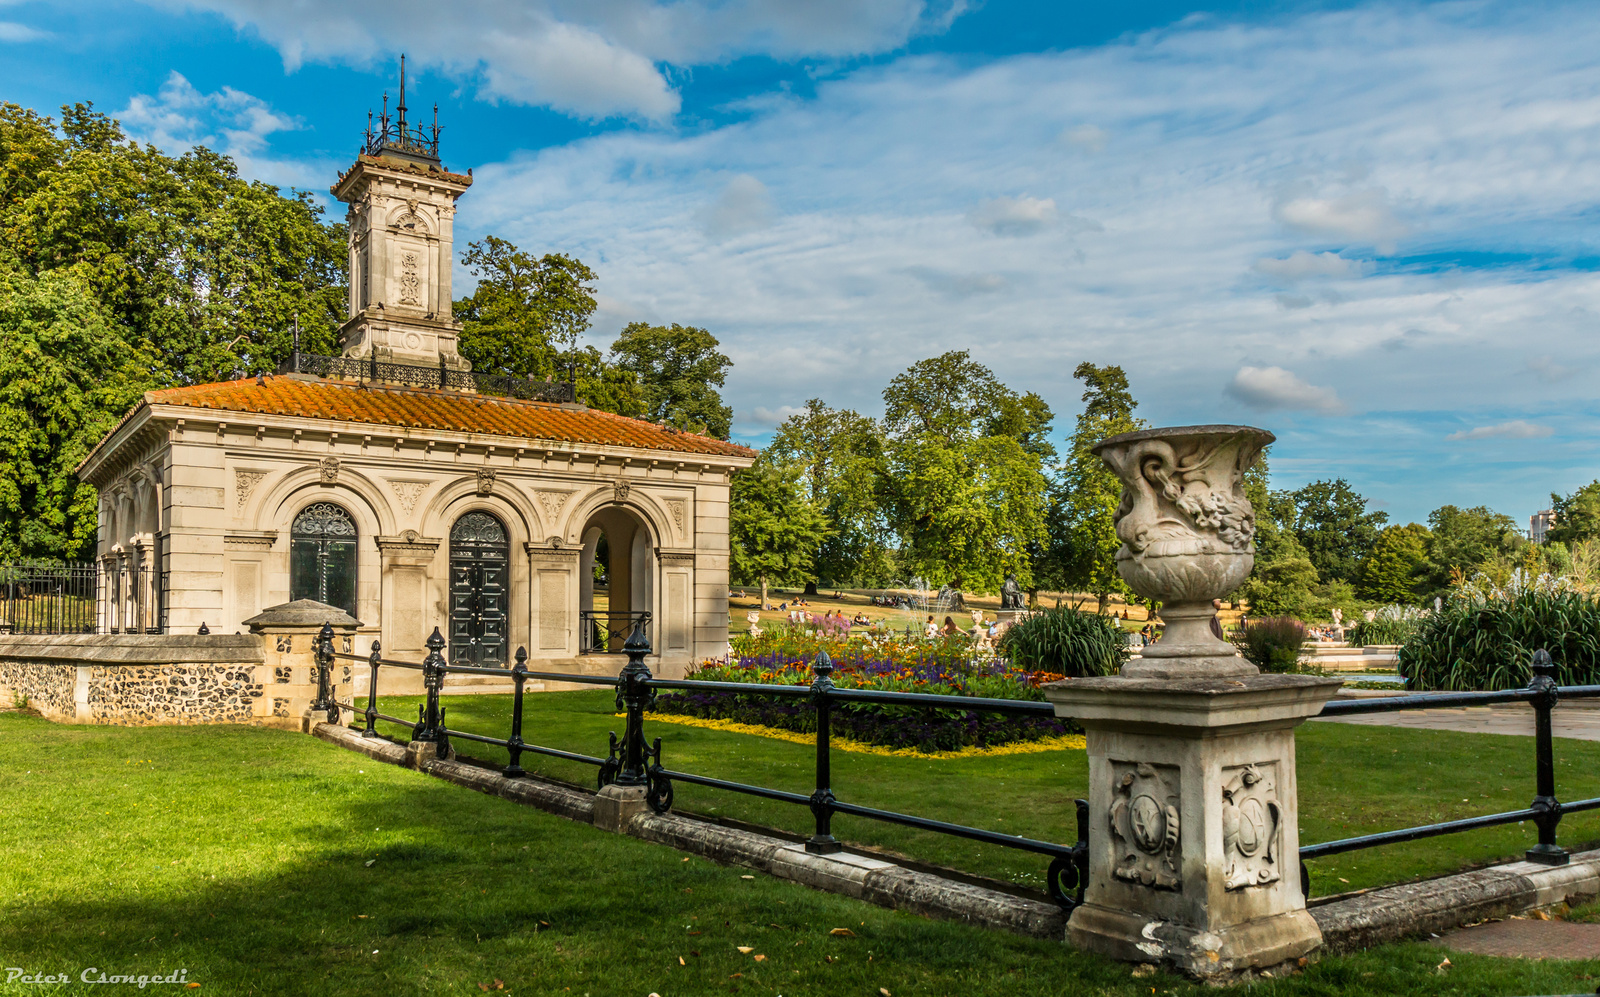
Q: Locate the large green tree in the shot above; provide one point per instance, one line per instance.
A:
(963, 482)
(774, 529)
(526, 314)
(838, 456)
(679, 370)
(1331, 521)
(1084, 542)
(66, 377)
(1577, 515)
(1463, 540)
(1397, 567)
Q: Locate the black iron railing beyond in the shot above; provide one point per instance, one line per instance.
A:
(82, 598)
(632, 761)
(376, 371)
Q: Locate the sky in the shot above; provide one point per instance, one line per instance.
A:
(1367, 227)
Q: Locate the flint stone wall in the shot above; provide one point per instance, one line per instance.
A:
(141, 679)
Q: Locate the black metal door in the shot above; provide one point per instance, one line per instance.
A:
(322, 556)
(479, 568)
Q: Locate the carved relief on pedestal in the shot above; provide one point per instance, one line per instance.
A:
(410, 283)
(245, 482)
(330, 470)
(1145, 825)
(1250, 820)
(408, 492)
(676, 507)
(486, 476)
(620, 492)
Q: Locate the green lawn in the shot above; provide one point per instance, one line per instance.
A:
(1354, 779)
(266, 862)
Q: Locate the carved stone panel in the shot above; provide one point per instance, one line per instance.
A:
(1250, 821)
(408, 492)
(1145, 824)
(486, 476)
(244, 483)
(330, 470)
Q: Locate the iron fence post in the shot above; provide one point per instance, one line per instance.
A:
(634, 695)
(372, 691)
(429, 716)
(519, 674)
(823, 842)
(1546, 694)
(324, 668)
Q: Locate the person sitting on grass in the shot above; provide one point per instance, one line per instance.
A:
(950, 629)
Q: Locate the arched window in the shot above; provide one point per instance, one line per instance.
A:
(322, 556)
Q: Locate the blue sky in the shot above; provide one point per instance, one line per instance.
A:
(1368, 227)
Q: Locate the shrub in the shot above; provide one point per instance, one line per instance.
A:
(1484, 637)
(1272, 644)
(1391, 625)
(1066, 641)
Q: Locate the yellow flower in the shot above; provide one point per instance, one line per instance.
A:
(1064, 742)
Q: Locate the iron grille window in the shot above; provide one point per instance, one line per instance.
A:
(322, 556)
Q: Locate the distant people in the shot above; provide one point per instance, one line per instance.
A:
(931, 628)
(950, 629)
(1124, 615)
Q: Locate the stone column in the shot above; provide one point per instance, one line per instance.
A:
(1193, 832)
(288, 635)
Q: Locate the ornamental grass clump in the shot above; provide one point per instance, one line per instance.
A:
(1272, 644)
(1484, 636)
(1389, 625)
(1066, 641)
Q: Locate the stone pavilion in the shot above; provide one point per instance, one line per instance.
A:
(396, 484)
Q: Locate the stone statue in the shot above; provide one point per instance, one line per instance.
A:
(1338, 623)
(1011, 593)
(1187, 534)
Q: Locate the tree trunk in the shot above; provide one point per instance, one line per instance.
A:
(1105, 599)
(811, 588)
(764, 593)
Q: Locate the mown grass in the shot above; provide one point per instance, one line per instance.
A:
(267, 862)
(1354, 779)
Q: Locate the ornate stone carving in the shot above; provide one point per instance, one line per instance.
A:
(410, 283)
(1145, 824)
(550, 502)
(245, 482)
(554, 542)
(676, 508)
(408, 492)
(1187, 534)
(620, 492)
(1250, 819)
(329, 467)
(486, 476)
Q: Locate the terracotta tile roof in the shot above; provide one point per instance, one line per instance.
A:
(423, 408)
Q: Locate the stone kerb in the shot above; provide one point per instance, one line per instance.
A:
(288, 639)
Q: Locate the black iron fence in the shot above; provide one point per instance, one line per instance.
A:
(603, 632)
(1545, 811)
(423, 376)
(81, 598)
(636, 761)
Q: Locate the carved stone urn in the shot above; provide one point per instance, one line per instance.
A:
(1188, 535)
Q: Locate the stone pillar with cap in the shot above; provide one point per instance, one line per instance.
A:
(289, 670)
(1194, 831)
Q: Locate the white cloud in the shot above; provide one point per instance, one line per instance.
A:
(1014, 216)
(1301, 265)
(1362, 216)
(179, 117)
(11, 31)
(770, 417)
(744, 206)
(1547, 370)
(1270, 388)
(1517, 429)
(591, 58)
(1087, 138)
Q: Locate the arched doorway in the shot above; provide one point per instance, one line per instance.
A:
(616, 580)
(480, 560)
(322, 556)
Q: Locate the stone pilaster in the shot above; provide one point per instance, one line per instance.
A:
(288, 635)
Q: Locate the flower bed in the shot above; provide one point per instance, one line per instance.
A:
(945, 668)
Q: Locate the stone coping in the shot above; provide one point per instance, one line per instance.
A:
(133, 649)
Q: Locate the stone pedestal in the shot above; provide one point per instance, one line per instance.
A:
(289, 670)
(614, 806)
(1193, 832)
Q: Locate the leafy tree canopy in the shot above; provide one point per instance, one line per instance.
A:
(1462, 540)
(953, 398)
(1331, 521)
(1577, 515)
(679, 369)
(838, 456)
(526, 314)
(1396, 570)
(774, 530)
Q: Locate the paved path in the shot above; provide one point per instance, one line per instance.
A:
(1527, 939)
(1580, 723)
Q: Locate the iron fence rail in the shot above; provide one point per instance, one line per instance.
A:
(82, 598)
(377, 371)
(630, 761)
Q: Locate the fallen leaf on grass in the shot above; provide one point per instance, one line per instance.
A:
(747, 877)
(695, 953)
(843, 932)
(190, 986)
(369, 862)
(681, 962)
(761, 958)
(686, 860)
(1343, 880)
(363, 915)
(883, 991)
(1442, 966)
(735, 976)
(745, 949)
(1144, 969)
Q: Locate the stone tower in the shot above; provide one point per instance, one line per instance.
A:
(402, 211)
